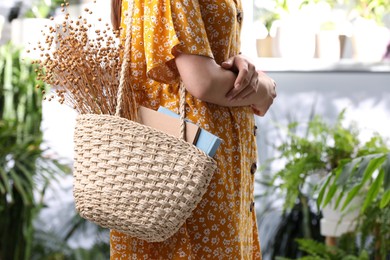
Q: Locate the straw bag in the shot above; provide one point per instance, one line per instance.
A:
(133, 178)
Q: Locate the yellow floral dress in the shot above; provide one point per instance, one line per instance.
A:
(223, 226)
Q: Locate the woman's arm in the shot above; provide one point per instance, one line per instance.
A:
(209, 82)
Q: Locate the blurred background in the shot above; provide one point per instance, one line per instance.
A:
(323, 175)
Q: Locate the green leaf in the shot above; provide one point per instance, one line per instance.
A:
(385, 200)
(374, 190)
(323, 190)
(351, 195)
(344, 173)
(18, 182)
(376, 161)
(315, 249)
(2, 188)
(21, 167)
(364, 255)
(339, 198)
(6, 181)
(386, 169)
(8, 75)
(331, 193)
(362, 166)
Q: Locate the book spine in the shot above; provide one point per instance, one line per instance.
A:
(207, 142)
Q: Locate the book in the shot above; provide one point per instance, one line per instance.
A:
(206, 141)
(167, 124)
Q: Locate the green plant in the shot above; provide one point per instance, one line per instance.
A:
(45, 8)
(309, 2)
(55, 245)
(305, 151)
(366, 176)
(315, 149)
(319, 149)
(369, 173)
(280, 8)
(345, 250)
(267, 13)
(372, 9)
(42, 8)
(25, 168)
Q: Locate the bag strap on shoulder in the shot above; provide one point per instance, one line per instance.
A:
(125, 79)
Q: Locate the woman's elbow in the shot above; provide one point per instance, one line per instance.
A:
(199, 75)
(201, 89)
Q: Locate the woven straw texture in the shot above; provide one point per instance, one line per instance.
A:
(135, 179)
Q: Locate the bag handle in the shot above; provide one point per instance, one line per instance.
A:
(125, 79)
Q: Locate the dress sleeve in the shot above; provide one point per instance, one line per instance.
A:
(170, 27)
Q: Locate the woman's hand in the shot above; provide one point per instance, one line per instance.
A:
(250, 81)
(206, 80)
(246, 81)
(267, 89)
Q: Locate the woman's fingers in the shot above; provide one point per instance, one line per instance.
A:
(245, 83)
(228, 64)
(245, 75)
(246, 72)
(251, 88)
(240, 84)
(249, 91)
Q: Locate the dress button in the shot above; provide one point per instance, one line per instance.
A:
(239, 16)
(252, 206)
(255, 130)
(253, 168)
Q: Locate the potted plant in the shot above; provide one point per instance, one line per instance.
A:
(305, 154)
(308, 155)
(365, 178)
(330, 17)
(369, 240)
(264, 15)
(328, 42)
(313, 149)
(288, 30)
(370, 36)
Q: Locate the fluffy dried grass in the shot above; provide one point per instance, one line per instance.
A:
(84, 68)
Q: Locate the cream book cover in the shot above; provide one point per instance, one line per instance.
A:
(167, 124)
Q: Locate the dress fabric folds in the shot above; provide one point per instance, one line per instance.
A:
(223, 226)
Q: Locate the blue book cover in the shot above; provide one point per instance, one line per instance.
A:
(207, 142)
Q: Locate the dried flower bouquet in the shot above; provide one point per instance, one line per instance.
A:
(82, 65)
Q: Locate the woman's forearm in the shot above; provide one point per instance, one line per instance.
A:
(209, 82)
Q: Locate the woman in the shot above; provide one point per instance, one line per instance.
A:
(189, 40)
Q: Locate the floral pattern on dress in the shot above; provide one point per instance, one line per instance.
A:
(223, 226)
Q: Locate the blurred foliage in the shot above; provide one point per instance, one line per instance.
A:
(314, 148)
(268, 11)
(25, 167)
(45, 8)
(55, 243)
(317, 159)
(373, 9)
(26, 171)
(345, 250)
